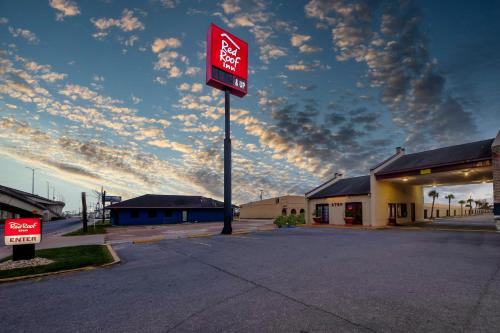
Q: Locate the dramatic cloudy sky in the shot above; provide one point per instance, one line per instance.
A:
(112, 93)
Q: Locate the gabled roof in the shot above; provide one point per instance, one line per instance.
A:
(346, 186)
(464, 153)
(32, 199)
(168, 201)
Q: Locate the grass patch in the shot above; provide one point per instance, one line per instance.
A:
(65, 258)
(91, 230)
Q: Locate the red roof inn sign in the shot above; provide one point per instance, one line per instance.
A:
(227, 61)
(23, 231)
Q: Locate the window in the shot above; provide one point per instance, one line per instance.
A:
(293, 212)
(302, 211)
(152, 213)
(437, 212)
(454, 212)
(167, 213)
(402, 210)
(277, 200)
(134, 213)
(425, 213)
(283, 211)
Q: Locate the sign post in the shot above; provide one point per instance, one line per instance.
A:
(23, 234)
(227, 70)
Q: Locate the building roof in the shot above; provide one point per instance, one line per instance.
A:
(464, 153)
(346, 186)
(168, 201)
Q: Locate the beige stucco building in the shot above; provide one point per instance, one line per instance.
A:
(273, 207)
(393, 192)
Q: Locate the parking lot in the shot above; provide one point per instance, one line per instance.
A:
(284, 280)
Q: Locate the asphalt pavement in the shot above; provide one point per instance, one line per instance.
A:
(285, 280)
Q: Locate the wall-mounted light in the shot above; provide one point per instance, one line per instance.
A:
(405, 179)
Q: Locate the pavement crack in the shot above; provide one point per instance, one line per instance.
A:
(256, 284)
(194, 314)
(484, 291)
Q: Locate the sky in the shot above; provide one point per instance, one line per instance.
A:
(113, 94)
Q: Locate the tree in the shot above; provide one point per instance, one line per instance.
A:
(433, 194)
(470, 201)
(462, 203)
(478, 204)
(449, 197)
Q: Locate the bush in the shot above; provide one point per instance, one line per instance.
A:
(289, 221)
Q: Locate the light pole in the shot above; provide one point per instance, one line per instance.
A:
(32, 179)
(261, 191)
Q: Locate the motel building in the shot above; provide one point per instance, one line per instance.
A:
(393, 192)
(273, 207)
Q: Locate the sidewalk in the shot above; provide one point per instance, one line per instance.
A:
(126, 234)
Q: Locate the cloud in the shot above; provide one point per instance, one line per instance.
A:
(128, 22)
(160, 44)
(24, 33)
(398, 62)
(297, 39)
(231, 6)
(300, 66)
(65, 8)
(170, 3)
(4, 20)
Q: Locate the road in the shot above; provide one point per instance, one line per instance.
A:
(286, 280)
(473, 222)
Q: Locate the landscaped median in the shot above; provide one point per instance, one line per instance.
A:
(93, 229)
(62, 260)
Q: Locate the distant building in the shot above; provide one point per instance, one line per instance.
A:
(15, 203)
(273, 207)
(166, 209)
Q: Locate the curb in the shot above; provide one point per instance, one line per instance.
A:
(149, 240)
(115, 261)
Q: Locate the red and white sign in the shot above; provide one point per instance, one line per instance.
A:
(23, 231)
(227, 61)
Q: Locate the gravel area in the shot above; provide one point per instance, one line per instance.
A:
(9, 264)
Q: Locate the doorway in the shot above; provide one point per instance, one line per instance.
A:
(322, 214)
(354, 209)
(184, 216)
(412, 207)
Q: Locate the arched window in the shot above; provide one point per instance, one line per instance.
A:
(293, 212)
(283, 211)
(302, 211)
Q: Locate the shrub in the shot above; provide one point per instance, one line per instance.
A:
(301, 219)
(280, 221)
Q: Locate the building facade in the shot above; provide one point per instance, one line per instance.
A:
(166, 209)
(273, 207)
(393, 192)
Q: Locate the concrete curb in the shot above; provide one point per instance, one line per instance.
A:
(149, 240)
(235, 233)
(115, 261)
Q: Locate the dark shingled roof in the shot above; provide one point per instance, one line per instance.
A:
(468, 152)
(168, 201)
(346, 186)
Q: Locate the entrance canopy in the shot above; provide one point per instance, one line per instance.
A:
(461, 164)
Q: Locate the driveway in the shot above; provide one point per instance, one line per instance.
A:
(285, 280)
(124, 234)
(484, 222)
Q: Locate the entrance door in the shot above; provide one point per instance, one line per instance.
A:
(355, 209)
(413, 212)
(322, 213)
(184, 216)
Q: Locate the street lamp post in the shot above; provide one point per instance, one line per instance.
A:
(32, 179)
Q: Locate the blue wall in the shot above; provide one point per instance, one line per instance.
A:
(124, 216)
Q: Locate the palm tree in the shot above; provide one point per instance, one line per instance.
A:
(478, 204)
(433, 194)
(449, 197)
(462, 203)
(470, 201)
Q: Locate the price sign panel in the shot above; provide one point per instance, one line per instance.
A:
(227, 61)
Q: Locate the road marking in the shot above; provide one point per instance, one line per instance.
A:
(200, 243)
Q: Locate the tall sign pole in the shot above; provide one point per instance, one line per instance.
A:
(228, 209)
(227, 70)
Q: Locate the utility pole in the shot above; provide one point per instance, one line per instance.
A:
(48, 191)
(32, 179)
(228, 207)
(84, 211)
(103, 204)
(261, 191)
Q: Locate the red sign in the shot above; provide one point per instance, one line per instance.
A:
(23, 231)
(227, 61)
